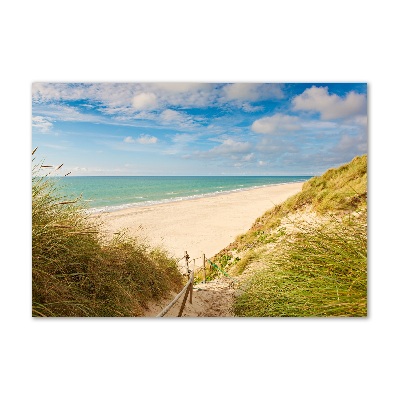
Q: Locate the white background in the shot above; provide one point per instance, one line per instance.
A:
(208, 41)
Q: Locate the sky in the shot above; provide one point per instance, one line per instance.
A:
(198, 128)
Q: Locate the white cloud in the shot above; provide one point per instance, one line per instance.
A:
(241, 91)
(144, 115)
(172, 116)
(45, 92)
(274, 145)
(181, 87)
(108, 94)
(252, 91)
(142, 139)
(249, 108)
(43, 124)
(330, 106)
(319, 125)
(183, 138)
(147, 139)
(181, 142)
(248, 157)
(144, 101)
(228, 148)
(361, 120)
(352, 144)
(179, 119)
(276, 124)
(65, 113)
(129, 98)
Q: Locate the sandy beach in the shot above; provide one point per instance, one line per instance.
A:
(204, 225)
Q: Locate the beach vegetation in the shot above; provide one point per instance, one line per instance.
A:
(76, 272)
(321, 271)
(308, 255)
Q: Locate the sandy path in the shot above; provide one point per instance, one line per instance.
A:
(199, 226)
(211, 299)
(205, 225)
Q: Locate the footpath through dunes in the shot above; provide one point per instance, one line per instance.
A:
(198, 226)
(305, 257)
(211, 299)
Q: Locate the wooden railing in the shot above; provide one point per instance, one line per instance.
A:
(188, 289)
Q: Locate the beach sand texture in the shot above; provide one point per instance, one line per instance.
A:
(205, 225)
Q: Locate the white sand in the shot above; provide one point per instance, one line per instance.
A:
(205, 225)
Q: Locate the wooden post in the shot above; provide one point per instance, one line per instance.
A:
(187, 262)
(191, 293)
(191, 275)
(204, 268)
(177, 297)
(184, 302)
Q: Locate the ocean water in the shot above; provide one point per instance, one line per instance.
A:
(111, 193)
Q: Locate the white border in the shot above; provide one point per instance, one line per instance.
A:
(283, 41)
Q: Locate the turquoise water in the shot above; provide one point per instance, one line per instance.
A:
(110, 193)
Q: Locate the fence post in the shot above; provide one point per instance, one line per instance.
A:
(204, 268)
(191, 285)
(186, 256)
(184, 302)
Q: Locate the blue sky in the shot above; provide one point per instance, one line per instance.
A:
(199, 128)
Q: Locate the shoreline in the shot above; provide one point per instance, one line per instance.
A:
(150, 203)
(201, 225)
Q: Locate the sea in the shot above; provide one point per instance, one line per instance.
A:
(112, 193)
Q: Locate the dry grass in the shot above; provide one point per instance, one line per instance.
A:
(76, 273)
(314, 268)
(320, 271)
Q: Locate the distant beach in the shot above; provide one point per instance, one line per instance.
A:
(201, 225)
(112, 193)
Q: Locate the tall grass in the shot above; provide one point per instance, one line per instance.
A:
(341, 190)
(76, 272)
(321, 271)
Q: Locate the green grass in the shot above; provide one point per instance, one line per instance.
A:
(341, 191)
(321, 272)
(76, 272)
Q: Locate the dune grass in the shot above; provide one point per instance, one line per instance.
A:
(341, 190)
(319, 271)
(76, 272)
(322, 271)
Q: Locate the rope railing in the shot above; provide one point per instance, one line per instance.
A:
(188, 288)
